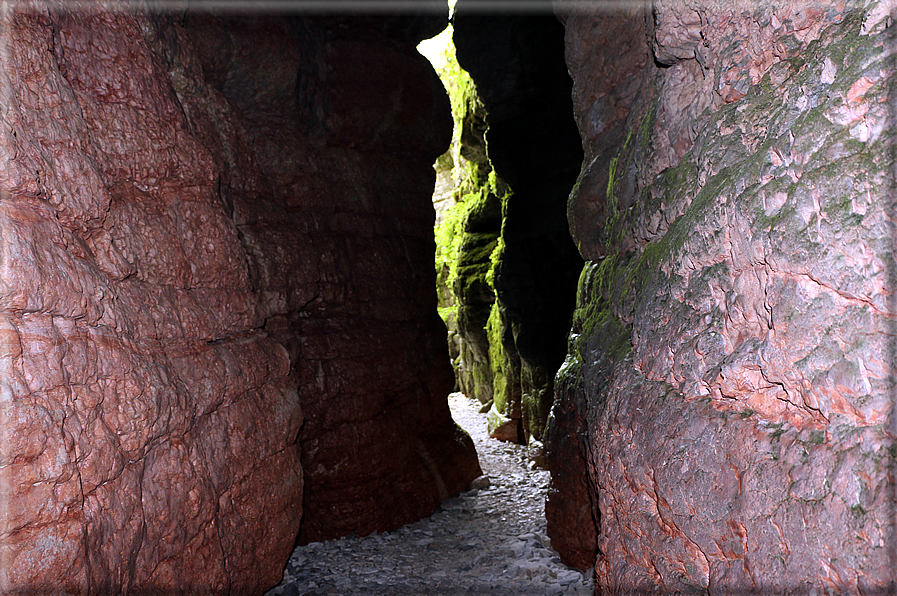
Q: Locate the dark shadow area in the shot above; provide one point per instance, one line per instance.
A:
(517, 63)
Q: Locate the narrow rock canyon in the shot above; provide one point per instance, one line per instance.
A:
(220, 334)
(216, 231)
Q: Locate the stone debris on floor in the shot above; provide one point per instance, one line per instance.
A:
(488, 540)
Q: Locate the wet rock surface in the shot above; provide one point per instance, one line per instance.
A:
(488, 540)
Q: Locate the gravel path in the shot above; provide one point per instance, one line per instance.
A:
(486, 541)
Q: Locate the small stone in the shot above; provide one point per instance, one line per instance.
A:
(566, 577)
(481, 483)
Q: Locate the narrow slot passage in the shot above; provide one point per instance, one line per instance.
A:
(488, 540)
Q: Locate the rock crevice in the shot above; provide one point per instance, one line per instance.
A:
(517, 64)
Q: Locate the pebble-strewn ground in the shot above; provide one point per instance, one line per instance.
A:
(486, 541)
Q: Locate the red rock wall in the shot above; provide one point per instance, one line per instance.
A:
(202, 227)
(149, 425)
(334, 209)
(728, 395)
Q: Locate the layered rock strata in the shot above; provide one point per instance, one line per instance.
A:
(727, 400)
(210, 226)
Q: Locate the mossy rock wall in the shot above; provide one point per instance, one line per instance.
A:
(725, 413)
(533, 145)
(479, 240)
(467, 235)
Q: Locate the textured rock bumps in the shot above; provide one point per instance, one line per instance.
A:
(202, 235)
(731, 366)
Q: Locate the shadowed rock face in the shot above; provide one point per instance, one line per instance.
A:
(208, 228)
(517, 64)
(728, 392)
(339, 238)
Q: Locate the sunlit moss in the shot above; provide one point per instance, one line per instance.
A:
(469, 252)
(496, 357)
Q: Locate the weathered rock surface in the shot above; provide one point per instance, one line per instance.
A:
(149, 425)
(729, 384)
(341, 244)
(208, 226)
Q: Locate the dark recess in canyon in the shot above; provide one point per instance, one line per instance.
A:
(517, 63)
